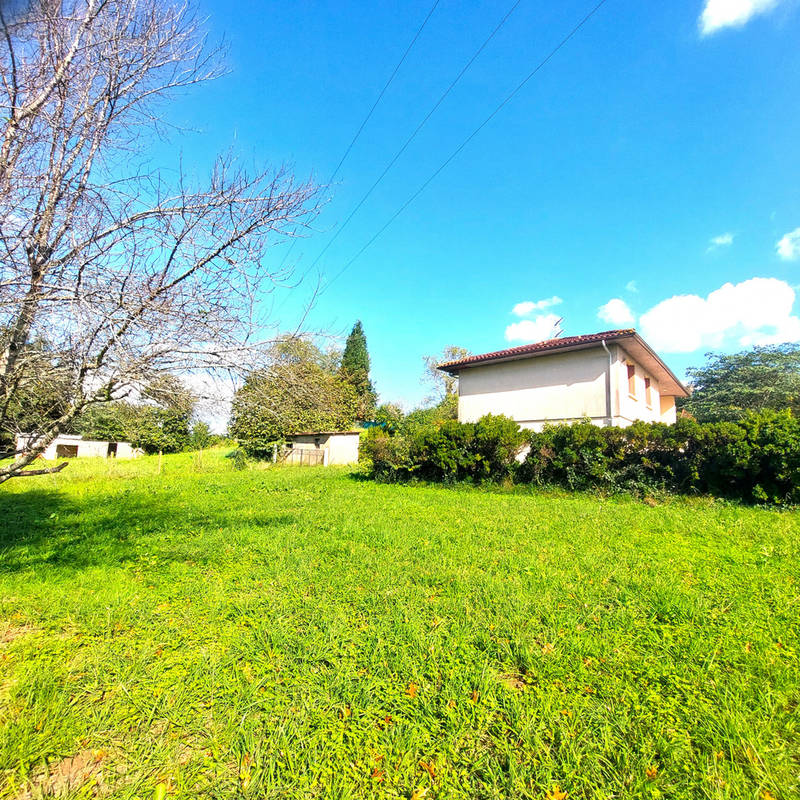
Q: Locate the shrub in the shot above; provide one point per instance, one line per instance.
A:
(385, 454)
(450, 451)
(756, 459)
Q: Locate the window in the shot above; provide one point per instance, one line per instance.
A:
(66, 451)
(631, 380)
(648, 395)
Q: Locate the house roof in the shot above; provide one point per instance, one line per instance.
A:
(627, 338)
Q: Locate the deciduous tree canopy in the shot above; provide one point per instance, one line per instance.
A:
(295, 393)
(753, 380)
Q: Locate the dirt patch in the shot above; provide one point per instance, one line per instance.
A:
(85, 769)
(14, 632)
(512, 680)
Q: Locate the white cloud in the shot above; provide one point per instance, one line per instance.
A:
(631, 286)
(754, 312)
(719, 14)
(616, 312)
(788, 246)
(537, 329)
(529, 306)
(723, 240)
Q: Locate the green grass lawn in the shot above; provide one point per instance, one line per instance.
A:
(299, 633)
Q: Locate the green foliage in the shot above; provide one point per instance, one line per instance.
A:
(355, 370)
(113, 422)
(451, 451)
(390, 417)
(754, 380)
(756, 459)
(161, 424)
(40, 393)
(446, 409)
(255, 634)
(289, 397)
(201, 438)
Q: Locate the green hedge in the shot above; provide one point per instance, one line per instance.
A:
(755, 459)
(452, 451)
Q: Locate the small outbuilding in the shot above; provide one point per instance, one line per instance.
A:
(68, 446)
(324, 448)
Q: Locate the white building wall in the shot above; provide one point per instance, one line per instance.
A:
(562, 387)
(343, 448)
(340, 448)
(535, 391)
(87, 448)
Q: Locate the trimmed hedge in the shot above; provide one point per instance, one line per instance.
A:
(755, 459)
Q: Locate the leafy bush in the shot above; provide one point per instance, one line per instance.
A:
(451, 451)
(756, 459)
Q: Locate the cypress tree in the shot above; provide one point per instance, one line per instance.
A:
(355, 370)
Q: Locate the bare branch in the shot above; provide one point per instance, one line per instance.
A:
(111, 272)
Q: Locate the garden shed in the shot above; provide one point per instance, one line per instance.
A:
(324, 448)
(68, 446)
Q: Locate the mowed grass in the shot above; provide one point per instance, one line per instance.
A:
(300, 633)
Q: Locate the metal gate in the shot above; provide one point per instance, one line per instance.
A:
(302, 456)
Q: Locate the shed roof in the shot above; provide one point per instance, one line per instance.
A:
(326, 433)
(627, 338)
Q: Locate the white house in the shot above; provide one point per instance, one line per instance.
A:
(613, 378)
(67, 446)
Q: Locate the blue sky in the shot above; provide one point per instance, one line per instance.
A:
(651, 162)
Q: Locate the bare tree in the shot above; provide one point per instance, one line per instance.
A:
(443, 384)
(122, 271)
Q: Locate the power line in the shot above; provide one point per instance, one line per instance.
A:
(466, 141)
(371, 111)
(383, 91)
(416, 131)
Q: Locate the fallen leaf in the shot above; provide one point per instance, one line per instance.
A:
(378, 774)
(419, 794)
(429, 769)
(556, 794)
(451, 703)
(474, 696)
(748, 647)
(412, 690)
(651, 772)
(547, 648)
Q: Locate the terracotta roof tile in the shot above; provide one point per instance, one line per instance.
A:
(538, 347)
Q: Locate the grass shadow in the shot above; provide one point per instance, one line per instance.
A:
(42, 527)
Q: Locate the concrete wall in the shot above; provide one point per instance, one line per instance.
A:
(339, 448)
(563, 387)
(87, 448)
(344, 448)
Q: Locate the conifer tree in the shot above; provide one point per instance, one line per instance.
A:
(355, 370)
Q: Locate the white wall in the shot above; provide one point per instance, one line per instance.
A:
(562, 387)
(342, 448)
(87, 448)
(534, 391)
